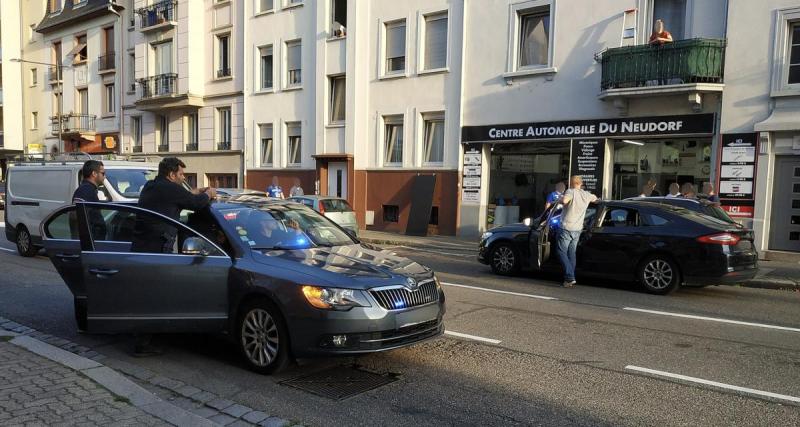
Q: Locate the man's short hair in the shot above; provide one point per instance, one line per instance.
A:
(169, 165)
(91, 166)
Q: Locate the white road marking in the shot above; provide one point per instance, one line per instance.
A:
(501, 292)
(8, 250)
(472, 337)
(2, 224)
(714, 319)
(714, 384)
(438, 252)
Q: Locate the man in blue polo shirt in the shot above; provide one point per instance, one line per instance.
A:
(555, 195)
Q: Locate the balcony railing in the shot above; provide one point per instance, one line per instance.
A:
(73, 123)
(52, 74)
(160, 85)
(679, 62)
(224, 72)
(137, 148)
(163, 148)
(191, 147)
(107, 62)
(158, 13)
(224, 145)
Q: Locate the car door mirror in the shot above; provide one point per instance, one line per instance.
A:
(194, 246)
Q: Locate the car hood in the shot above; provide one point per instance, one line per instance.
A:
(511, 228)
(357, 265)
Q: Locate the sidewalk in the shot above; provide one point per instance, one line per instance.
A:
(771, 275)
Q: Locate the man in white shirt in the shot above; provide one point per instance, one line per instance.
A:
(575, 202)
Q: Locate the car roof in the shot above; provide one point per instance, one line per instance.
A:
(317, 197)
(665, 199)
(255, 201)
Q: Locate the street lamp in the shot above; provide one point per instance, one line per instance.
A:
(59, 76)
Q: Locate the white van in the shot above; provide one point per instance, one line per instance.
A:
(36, 188)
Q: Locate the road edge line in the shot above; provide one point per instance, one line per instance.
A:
(472, 337)
(713, 319)
(497, 291)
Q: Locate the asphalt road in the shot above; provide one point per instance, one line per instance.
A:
(535, 354)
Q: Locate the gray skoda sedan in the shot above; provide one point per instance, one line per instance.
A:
(282, 280)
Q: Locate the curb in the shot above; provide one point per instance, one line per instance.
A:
(171, 400)
(775, 284)
(111, 380)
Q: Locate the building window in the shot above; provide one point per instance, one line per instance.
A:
(290, 3)
(435, 42)
(266, 67)
(53, 6)
(57, 106)
(79, 51)
(794, 55)
(338, 18)
(673, 14)
(224, 131)
(191, 179)
(294, 143)
(393, 140)
(223, 56)
(266, 6)
(434, 219)
(34, 77)
(162, 133)
(192, 132)
(265, 131)
(338, 94)
(293, 63)
(222, 180)
(56, 53)
(396, 47)
(132, 73)
(162, 58)
(34, 120)
(433, 141)
(109, 99)
(534, 38)
(109, 40)
(391, 213)
(83, 101)
(136, 132)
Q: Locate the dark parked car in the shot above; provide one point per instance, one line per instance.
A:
(660, 246)
(227, 193)
(698, 205)
(279, 278)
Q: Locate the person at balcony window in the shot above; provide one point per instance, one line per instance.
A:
(660, 35)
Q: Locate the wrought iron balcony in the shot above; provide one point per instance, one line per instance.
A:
(191, 147)
(158, 13)
(136, 148)
(73, 123)
(224, 72)
(224, 145)
(107, 62)
(163, 148)
(680, 62)
(160, 85)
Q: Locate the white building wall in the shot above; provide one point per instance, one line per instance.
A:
(15, 120)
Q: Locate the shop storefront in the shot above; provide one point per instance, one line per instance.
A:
(522, 163)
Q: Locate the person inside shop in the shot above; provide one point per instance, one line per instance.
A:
(649, 189)
(555, 195)
(274, 189)
(709, 193)
(674, 190)
(688, 191)
(660, 35)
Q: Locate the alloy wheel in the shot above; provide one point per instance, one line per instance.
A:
(260, 337)
(504, 259)
(658, 274)
(23, 240)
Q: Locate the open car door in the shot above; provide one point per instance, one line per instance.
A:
(541, 235)
(61, 240)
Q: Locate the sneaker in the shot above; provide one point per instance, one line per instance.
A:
(568, 284)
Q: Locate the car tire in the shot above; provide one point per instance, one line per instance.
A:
(505, 259)
(659, 275)
(262, 338)
(25, 245)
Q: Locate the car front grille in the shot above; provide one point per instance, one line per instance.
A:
(400, 298)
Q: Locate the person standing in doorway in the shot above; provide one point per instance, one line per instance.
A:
(575, 201)
(555, 195)
(297, 189)
(274, 189)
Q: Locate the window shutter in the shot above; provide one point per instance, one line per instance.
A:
(396, 40)
(266, 131)
(293, 129)
(293, 56)
(436, 42)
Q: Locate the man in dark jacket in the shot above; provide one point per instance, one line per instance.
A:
(166, 195)
(93, 173)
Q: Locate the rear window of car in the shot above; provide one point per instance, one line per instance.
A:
(336, 205)
(129, 182)
(718, 212)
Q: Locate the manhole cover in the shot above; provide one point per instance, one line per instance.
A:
(339, 382)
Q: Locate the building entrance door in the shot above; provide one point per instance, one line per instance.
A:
(785, 221)
(337, 179)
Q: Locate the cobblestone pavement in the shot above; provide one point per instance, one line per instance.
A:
(35, 391)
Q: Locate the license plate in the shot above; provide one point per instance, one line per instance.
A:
(417, 315)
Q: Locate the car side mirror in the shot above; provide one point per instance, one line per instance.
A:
(527, 221)
(194, 246)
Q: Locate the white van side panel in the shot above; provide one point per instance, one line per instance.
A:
(37, 192)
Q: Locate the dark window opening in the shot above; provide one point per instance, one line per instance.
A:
(434, 220)
(391, 213)
(191, 179)
(795, 204)
(795, 219)
(339, 18)
(794, 235)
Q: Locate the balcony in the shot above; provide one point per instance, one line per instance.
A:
(158, 16)
(52, 75)
(161, 92)
(163, 148)
(692, 67)
(223, 146)
(224, 72)
(73, 124)
(192, 147)
(106, 63)
(160, 85)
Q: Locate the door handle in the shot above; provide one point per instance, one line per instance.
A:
(67, 257)
(103, 272)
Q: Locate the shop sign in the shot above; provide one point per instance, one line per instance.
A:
(737, 173)
(691, 124)
(588, 161)
(471, 179)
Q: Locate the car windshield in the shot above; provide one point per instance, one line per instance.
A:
(282, 227)
(335, 205)
(129, 182)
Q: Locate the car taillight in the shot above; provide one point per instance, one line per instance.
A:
(720, 239)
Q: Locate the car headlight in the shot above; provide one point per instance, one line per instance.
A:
(334, 298)
(486, 235)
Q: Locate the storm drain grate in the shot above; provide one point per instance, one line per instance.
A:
(340, 382)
